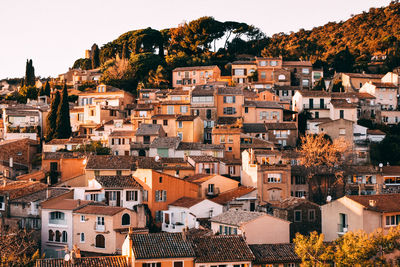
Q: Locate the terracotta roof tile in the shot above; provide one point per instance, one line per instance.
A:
(110, 162)
(148, 129)
(161, 245)
(64, 204)
(232, 194)
(114, 181)
(17, 189)
(99, 209)
(195, 68)
(186, 202)
(115, 261)
(384, 203)
(221, 248)
(237, 217)
(274, 253)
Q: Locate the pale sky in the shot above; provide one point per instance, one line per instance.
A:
(54, 33)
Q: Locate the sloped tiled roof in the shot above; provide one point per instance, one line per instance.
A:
(148, 129)
(65, 204)
(232, 194)
(204, 159)
(384, 203)
(122, 133)
(221, 248)
(263, 104)
(115, 261)
(274, 253)
(17, 189)
(165, 142)
(375, 132)
(110, 162)
(42, 194)
(281, 126)
(230, 91)
(198, 146)
(237, 217)
(254, 128)
(342, 103)
(186, 202)
(114, 181)
(195, 68)
(186, 118)
(100, 210)
(161, 246)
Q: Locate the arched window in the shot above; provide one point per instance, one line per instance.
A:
(58, 236)
(281, 77)
(100, 241)
(51, 235)
(126, 219)
(64, 237)
(57, 217)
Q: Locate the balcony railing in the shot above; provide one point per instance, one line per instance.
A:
(100, 227)
(58, 221)
(173, 228)
(315, 106)
(343, 228)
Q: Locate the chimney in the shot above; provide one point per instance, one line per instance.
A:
(47, 193)
(11, 162)
(184, 233)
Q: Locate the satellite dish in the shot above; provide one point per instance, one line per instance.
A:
(328, 199)
(380, 165)
(67, 257)
(157, 158)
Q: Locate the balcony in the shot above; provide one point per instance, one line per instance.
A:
(176, 227)
(99, 227)
(57, 222)
(315, 106)
(342, 228)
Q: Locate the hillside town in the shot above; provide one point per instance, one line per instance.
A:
(211, 166)
(159, 150)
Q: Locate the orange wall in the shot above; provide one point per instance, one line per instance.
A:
(69, 168)
(221, 105)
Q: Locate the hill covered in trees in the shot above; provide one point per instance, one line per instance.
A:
(146, 57)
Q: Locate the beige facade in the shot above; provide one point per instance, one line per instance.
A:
(338, 129)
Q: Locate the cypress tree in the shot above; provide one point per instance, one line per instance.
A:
(29, 74)
(63, 128)
(95, 56)
(47, 89)
(51, 120)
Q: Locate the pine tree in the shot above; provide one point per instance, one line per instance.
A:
(51, 121)
(125, 51)
(95, 56)
(63, 128)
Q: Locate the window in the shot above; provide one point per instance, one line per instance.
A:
(154, 121)
(82, 238)
(238, 72)
(300, 193)
(274, 178)
(2, 204)
(273, 63)
(180, 135)
(210, 188)
(246, 109)
(56, 217)
(222, 139)
(180, 124)
(263, 63)
(229, 111)
(316, 114)
(64, 237)
(170, 109)
(297, 215)
(165, 122)
(230, 139)
(229, 99)
(229, 149)
(153, 264)
(208, 114)
(178, 263)
(161, 195)
(184, 109)
(51, 235)
(119, 172)
(159, 216)
(342, 131)
(311, 215)
(132, 195)
(306, 70)
(83, 219)
(96, 173)
(92, 112)
(305, 83)
(126, 219)
(281, 77)
(58, 236)
(263, 75)
(341, 113)
(392, 220)
(100, 241)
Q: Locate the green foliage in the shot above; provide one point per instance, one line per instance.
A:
(86, 85)
(95, 56)
(51, 121)
(320, 85)
(63, 123)
(388, 150)
(144, 62)
(72, 98)
(83, 64)
(337, 86)
(352, 249)
(94, 147)
(158, 78)
(302, 121)
(29, 74)
(28, 92)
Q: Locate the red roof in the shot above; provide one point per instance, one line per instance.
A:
(232, 194)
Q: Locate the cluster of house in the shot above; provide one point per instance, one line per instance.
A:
(210, 164)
